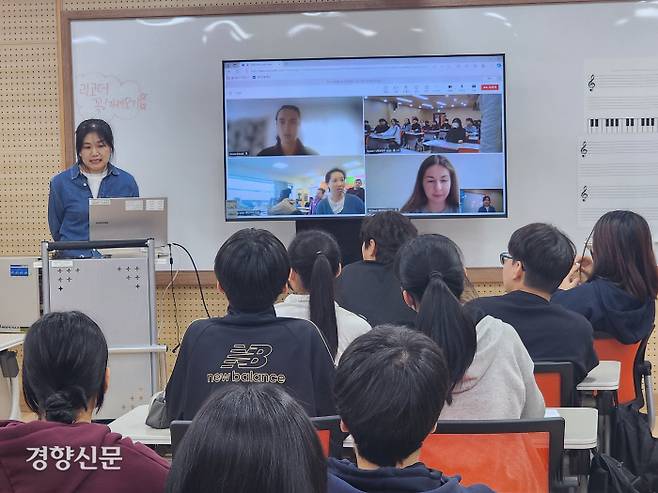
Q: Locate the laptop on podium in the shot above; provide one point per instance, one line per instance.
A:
(129, 218)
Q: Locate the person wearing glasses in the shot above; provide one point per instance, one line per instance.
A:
(616, 287)
(538, 258)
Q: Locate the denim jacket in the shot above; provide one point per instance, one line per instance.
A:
(68, 201)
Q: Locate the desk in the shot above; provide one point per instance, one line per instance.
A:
(604, 377)
(604, 380)
(133, 425)
(450, 146)
(8, 341)
(580, 426)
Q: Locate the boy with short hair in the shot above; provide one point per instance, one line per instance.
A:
(391, 384)
(251, 344)
(539, 257)
(370, 288)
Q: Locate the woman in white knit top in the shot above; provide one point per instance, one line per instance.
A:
(315, 261)
(490, 369)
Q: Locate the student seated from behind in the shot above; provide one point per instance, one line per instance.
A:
(251, 344)
(620, 282)
(491, 373)
(249, 438)
(370, 288)
(391, 385)
(65, 378)
(539, 257)
(315, 261)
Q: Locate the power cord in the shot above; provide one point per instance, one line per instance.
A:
(198, 279)
(173, 296)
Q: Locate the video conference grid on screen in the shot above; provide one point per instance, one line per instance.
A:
(353, 136)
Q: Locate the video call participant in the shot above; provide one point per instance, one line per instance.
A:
(456, 134)
(415, 126)
(436, 189)
(486, 205)
(391, 385)
(539, 257)
(370, 287)
(358, 189)
(337, 201)
(92, 176)
(238, 431)
(315, 260)
(382, 126)
(618, 293)
(366, 127)
(65, 378)
(288, 120)
(491, 373)
(472, 131)
(252, 269)
(313, 203)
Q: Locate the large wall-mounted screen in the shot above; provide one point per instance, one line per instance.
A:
(345, 137)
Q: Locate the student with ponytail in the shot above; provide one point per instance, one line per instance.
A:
(65, 378)
(491, 373)
(315, 262)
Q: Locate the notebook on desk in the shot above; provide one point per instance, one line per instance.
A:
(128, 219)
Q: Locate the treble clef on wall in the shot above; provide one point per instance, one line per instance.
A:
(583, 149)
(591, 84)
(583, 194)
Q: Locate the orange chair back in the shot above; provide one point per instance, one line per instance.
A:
(324, 436)
(466, 150)
(506, 462)
(613, 350)
(550, 385)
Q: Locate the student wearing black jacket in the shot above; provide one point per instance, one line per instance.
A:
(251, 345)
(538, 258)
(370, 288)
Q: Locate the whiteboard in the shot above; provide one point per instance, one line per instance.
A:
(158, 82)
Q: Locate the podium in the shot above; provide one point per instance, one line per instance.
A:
(118, 293)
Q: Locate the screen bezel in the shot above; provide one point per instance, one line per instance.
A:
(347, 217)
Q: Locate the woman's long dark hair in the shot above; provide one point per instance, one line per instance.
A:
(623, 253)
(315, 256)
(249, 439)
(430, 268)
(64, 363)
(418, 199)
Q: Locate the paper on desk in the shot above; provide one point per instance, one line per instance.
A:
(551, 413)
(618, 153)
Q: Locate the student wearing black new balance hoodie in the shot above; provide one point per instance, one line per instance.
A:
(620, 281)
(391, 385)
(251, 345)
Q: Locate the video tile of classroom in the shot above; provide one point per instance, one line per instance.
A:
(472, 203)
(484, 136)
(391, 178)
(256, 185)
(327, 126)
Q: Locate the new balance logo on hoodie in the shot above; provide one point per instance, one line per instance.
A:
(246, 357)
(253, 356)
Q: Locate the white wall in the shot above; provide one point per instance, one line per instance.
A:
(173, 143)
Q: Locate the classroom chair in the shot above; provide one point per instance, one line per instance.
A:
(555, 381)
(514, 456)
(634, 370)
(328, 428)
(330, 435)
